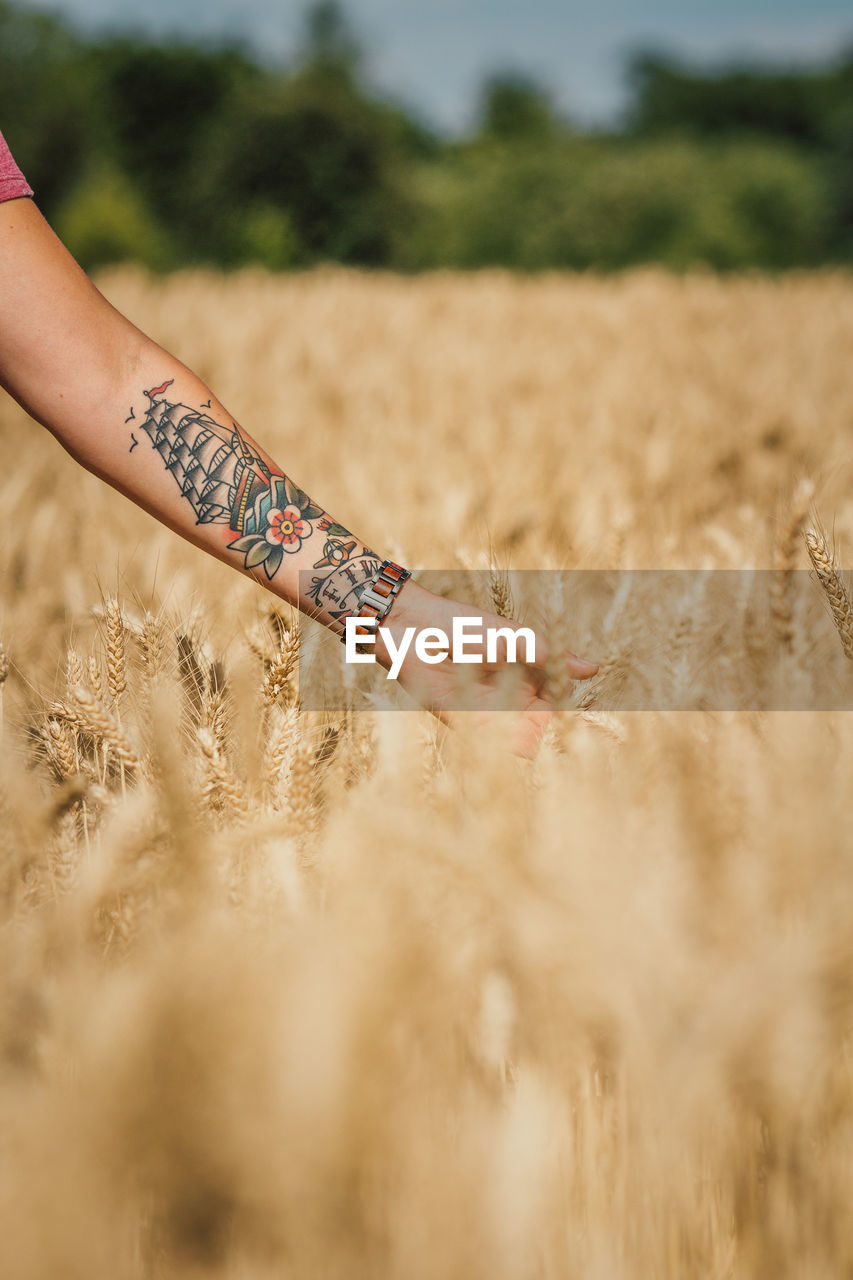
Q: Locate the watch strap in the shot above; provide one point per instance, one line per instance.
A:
(378, 596)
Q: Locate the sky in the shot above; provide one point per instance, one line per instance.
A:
(433, 54)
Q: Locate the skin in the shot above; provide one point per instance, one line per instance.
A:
(104, 390)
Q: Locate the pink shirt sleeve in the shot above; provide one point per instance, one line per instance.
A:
(12, 181)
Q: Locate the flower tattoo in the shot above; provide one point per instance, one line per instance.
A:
(286, 528)
(278, 523)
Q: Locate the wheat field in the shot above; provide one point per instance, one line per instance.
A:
(286, 994)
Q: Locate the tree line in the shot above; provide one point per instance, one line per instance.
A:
(178, 153)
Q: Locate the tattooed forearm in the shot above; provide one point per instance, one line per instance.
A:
(338, 592)
(221, 474)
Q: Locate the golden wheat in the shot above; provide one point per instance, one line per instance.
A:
(115, 650)
(781, 598)
(834, 587)
(277, 678)
(95, 679)
(279, 749)
(221, 786)
(152, 642)
(74, 675)
(337, 994)
(501, 594)
(83, 712)
(59, 749)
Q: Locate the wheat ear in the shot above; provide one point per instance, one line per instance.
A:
(95, 679)
(74, 674)
(221, 783)
(501, 593)
(116, 647)
(153, 643)
(59, 749)
(833, 586)
(84, 712)
(277, 677)
(278, 753)
(214, 715)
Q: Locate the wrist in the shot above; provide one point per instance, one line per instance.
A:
(370, 614)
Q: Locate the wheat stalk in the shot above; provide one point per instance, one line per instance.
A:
(84, 712)
(193, 677)
(221, 785)
(784, 569)
(75, 677)
(95, 678)
(834, 588)
(277, 677)
(214, 716)
(500, 593)
(116, 650)
(280, 749)
(152, 642)
(59, 749)
(302, 792)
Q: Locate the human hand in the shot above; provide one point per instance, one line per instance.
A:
(483, 688)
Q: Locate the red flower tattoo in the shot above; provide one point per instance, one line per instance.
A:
(286, 528)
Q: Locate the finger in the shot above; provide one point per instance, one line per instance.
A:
(580, 668)
(530, 729)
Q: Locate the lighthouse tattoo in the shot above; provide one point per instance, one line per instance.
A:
(226, 481)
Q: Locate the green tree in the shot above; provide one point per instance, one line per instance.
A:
(323, 154)
(802, 107)
(329, 42)
(170, 151)
(514, 107)
(48, 104)
(164, 102)
(609, 204)
(104, 219)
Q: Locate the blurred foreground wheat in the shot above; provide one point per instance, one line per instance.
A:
(335, 996)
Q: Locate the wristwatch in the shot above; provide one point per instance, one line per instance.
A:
(377, 597)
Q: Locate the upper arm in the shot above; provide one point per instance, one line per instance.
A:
(63, 346)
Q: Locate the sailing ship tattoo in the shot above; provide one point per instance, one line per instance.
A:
(226, 481)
